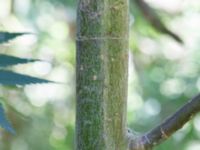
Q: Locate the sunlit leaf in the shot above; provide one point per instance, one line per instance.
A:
(6, 36)
(4, 123)
(12, 78)
(6, 60)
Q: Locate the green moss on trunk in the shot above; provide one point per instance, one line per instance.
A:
(102, 62)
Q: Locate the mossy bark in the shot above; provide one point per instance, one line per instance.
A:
(101, 74)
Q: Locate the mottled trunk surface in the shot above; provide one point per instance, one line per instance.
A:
(101, 79)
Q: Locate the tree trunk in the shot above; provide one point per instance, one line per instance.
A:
(101, 80)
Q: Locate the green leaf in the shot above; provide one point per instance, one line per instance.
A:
(12, 78)
(6, 36)
(6, 60)
(4, 123)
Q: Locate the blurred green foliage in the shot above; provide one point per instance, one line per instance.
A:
(163, 74)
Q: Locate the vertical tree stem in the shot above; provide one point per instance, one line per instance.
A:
(101, 79)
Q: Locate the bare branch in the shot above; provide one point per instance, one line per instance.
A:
(168, 127)
(153, 18)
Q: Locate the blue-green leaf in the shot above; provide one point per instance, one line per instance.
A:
(6, 36)
(6, 60)
(4, 123)
(12, 78)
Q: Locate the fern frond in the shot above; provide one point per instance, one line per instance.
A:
(7, 60)
(13, 79)
(7, 36)
(4, 123)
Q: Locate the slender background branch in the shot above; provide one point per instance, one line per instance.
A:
(153, 18)
(168, 127)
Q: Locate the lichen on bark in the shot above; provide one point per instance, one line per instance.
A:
(101, 74)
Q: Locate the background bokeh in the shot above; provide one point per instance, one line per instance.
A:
(163, 74)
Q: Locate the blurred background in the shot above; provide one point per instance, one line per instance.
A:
(164, 67)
